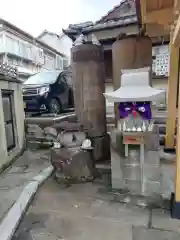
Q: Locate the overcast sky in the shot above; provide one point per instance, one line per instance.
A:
(34, 16)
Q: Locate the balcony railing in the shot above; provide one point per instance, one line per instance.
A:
(21, 49)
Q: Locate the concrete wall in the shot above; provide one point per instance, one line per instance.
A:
(18, 118)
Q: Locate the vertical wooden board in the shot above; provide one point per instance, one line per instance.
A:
(172, 95)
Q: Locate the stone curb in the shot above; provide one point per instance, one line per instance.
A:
(13, 217)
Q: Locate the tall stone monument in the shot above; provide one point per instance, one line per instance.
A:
(89, 85)
(137, 138)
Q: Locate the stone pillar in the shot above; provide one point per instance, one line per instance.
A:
(129, 53)
(89, 85)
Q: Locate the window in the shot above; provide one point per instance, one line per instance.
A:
(59, 62)
(65, 63)
(68, 77)
(45, 77)
(8, 119)
(12, 45)
(9, 44)
(29, 52)
(49, 62)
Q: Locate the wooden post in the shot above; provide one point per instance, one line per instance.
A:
(172, 95)
(177, 180)
(175, 208)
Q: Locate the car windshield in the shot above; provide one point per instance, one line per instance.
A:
(48, 77)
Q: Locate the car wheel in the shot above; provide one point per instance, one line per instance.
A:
(54, 106)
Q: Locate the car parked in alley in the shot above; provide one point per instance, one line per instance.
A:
(48, 91)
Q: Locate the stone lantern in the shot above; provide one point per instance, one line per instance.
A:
(137, 136)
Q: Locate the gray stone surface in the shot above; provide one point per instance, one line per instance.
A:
(34, 130)
(140, 233)
(83, 212)
(152, 173)
(168, 172)
(79, 212)
(152, 158)
(152, 188)
(132, 172)
(117, 180)
(162, 220)
(134, 186)
(131, 166)
(133, 157)
(73, 163)
(152, 140)
(101, 148)
(50, 132)
(13, 180)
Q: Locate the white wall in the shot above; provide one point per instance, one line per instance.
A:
(62, 44)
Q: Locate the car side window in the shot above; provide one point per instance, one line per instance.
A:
(62, 80)
(68, 77)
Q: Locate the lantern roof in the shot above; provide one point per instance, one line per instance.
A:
(135, 87)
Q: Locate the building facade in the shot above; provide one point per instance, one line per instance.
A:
(62, 43)
(25, 52)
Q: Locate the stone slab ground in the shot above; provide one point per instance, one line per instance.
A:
(18, 175)
(83, 212)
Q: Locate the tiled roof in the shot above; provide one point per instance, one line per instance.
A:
(121, 20)
(114, 9)
(112, 24)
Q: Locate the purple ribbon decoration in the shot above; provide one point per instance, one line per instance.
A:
(142, 108)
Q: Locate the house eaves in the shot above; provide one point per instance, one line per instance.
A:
(112, 24)
(125, 21)
(29, 37)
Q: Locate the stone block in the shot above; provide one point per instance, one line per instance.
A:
(117, 183)
(152, 142)
(152, 173)
(67, 126)
(101, 148)
(34, 130)
(50, 132)
(168, 172)
(161, 219)
(152, 158)
(152, 188)
(132, 172)
(116, 171)
(133, 157)
(71, 139)
(117, 142)
(133, 186)
(72, 162)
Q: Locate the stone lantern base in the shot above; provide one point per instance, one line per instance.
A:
(136, 169)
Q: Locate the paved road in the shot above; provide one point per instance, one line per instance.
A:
(82, 212)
